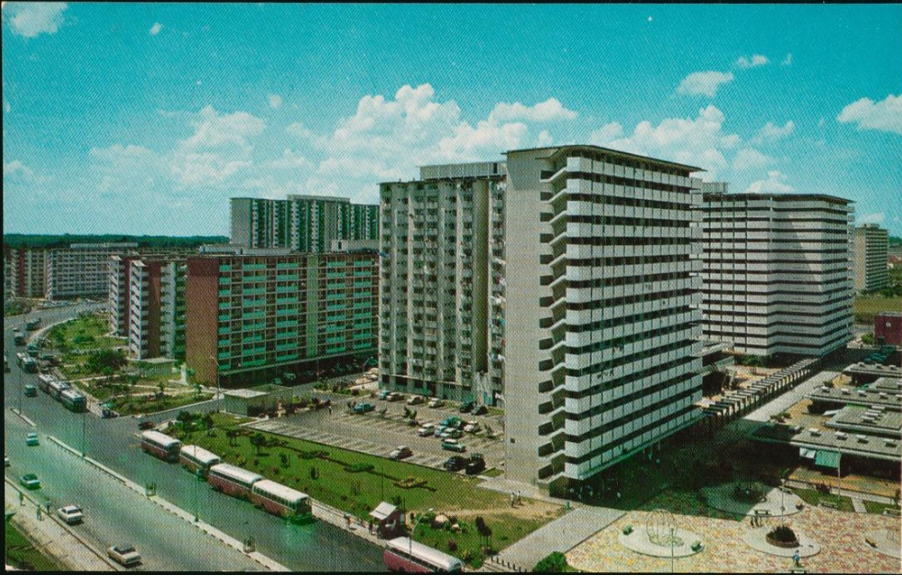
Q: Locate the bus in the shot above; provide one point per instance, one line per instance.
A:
(406, 555)
(281, 500)
(56, 389)
(73, 400)
(160, 445)
(29, 365)
(44, 381)
(232, 480)
(198, 460)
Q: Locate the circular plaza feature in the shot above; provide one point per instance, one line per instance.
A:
(759, 540)
(886, 542)
(660, 537)
(752, 499)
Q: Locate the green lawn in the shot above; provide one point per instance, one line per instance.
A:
(21, 554)
(877, 507)
(814, 498)
(150, 404)
(867, 307)
(87, 332)
(356, 483)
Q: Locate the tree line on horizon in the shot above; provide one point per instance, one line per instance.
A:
(14, 241)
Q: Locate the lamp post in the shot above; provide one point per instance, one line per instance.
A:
(218, 388)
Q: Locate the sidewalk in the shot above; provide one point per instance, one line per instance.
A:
(52, 538)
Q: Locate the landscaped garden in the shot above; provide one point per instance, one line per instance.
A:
(356, 483)
(136, 394)
(818, 497)
(20, 554)
(85, 348)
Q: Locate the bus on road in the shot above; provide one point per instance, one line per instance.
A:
(281, 500)
(44, 381)
(74, 401)
(198, 460)
(160, 445)
(56, 389)
(232, 480)
(29, 365)
(404, 555)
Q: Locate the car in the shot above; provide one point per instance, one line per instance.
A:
(31, 439)
(70, 514)
(439, 430)
(400, 453)
(107, 413)
(382, 395)
(454, 463)
(472, 427)
(146, 425)
(476, 464)
(6, 463)
(394, 397)
(414, 400)
(426, 429)
(451, 433)
(466, 407)
(453, 445)
(364, 407)
(436, 403)
(124, 554)
(480, 410)
(30, 390)
(451, 422)
(30, 481)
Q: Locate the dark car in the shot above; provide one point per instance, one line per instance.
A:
(108, 413)
(466, 407)
(480, 410)
(454, 463)
(146, 425)
(476, 464)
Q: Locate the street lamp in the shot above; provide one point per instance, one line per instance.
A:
(218, 388)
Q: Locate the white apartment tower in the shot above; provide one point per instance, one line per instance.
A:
(777, 275)
(869, 256)
(579, 265)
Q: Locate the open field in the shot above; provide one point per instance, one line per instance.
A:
(867, 307)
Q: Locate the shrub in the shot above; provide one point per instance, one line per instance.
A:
(554, 563)
(628, 529)
(359, 467)
(783, 534)
(452, 545)
(696, 546)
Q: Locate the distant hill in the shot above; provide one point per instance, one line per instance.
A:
(63, 240)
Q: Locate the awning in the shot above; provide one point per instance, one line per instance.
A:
(827, 459)
(807, 453)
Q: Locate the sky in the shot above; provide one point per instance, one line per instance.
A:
(145, 119)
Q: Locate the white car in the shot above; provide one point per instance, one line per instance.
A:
(472, 427)
(6, 463)
(70, 514)
(427, 429)
(124, 554)
(436, 403)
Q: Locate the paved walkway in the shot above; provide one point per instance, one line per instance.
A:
(52, 538)
(783, 402)
(858, 505)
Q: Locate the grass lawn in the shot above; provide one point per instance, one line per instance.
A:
(866, 307)
(877, 507)
(150, 404)
(356, 483)
(86, 332)
(814, 498)
(21, 554)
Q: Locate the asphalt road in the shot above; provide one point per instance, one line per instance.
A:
(315, 547)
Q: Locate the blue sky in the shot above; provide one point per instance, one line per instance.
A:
(145, 119)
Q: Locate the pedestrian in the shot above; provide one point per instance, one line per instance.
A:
(330, 410)
(518, 498)
(796, 558)
(512, 499)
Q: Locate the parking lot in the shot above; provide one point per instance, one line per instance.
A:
(378, 435)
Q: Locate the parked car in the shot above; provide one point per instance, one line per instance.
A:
(452, 433)
(480, 410)
(476, 464)
(436, 403)
(30, 390)
(6, 463)
(394, 397)
(124, 554)
(452, 422)
(455, 463)
(382, 395)
(400, 453)
(107, 413)
(31, 439)
(30, 481)
(472, 427)
(364, 407)
(466, 407)
(439, 430)
(414, 400)
(453, 445)
(146, 425)
(426, 429)
(70, 514)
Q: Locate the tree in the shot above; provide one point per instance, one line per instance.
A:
(258, 440)
(231, 435)
(208, 421)
(106, 361)
(483, 529)
(554, 563)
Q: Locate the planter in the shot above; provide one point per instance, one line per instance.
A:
(789, 540)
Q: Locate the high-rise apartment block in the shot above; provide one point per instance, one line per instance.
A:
(119, 293)
(302, 223)
(25, 272)
(777, 275)
(870, 253)
(257, 314)
(562, 283)
(157, 308)
(82, 269)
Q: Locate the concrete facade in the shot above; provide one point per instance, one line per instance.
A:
(157, 308)
(870, 257)
(82, 270)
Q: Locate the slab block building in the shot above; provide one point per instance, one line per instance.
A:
(870, 258)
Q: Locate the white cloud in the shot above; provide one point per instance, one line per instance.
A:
(547, 111)
(289, 159)
(699, 141)
(873, 218)
(771, 132)
(752, 62)
(885, 116)
(748, 158)
(787, 61)
(774, 183)
(544, 139)
(156, 28)
(16, 168)
(275, 101)
(30, 19)
(704, 83)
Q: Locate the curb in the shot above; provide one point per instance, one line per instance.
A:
(69, 530)
(23, 417)
(261, 559)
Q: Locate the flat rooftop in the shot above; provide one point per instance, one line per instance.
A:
(835, 441)
(858, 396)
(876, 421)
(885, 384)
(879, 370)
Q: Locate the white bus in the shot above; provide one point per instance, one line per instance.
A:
(232, 480)
(406, 555)
(280, 500)
(198, 460)
(160, 445)
(44, 381)
(56, 388)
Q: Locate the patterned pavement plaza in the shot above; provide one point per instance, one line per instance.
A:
(840, 535)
